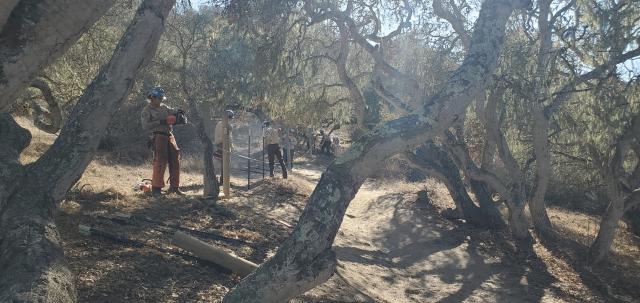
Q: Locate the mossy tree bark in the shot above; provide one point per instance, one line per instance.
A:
(439, 164)
(35, 33)
(622, 188)
(30, 246)
(305, 259)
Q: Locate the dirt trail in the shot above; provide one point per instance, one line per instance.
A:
(392, 249)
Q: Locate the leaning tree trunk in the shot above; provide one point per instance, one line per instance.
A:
(305, 259)
(599, 249)
(487, 207)
(518, 223)
(609, 224)
(211, 187)
(459, 154)
(622, 188)
(35, 34)
(357, 100)
(537, 205)
(53, 113)
(438, 164)
(5, 10)
(541, 125)
(29, 242)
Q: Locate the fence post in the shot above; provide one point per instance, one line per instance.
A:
(226, 156)
(249, 162)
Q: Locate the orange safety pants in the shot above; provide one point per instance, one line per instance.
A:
(166, 151)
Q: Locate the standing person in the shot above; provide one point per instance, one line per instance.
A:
(159, 118)
(325, 143)
(272, 140)
(218, 139)
(288, 144)
(335, 145)
(309, 139)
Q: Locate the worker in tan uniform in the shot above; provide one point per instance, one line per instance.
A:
(272, 141)
(159, 118)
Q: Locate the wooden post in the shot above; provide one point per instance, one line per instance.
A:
(249, 162)
(213, 254)
(226, 150)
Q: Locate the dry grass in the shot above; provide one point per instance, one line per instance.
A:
(583, 228)
(105, 269)
(40, 141)
(565, 261)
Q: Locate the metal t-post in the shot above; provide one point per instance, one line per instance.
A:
(249, 162)
(226, 147)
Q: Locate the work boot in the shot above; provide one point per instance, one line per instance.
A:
(271, 174)
(156, 192)
(284, 174)
(175, 190)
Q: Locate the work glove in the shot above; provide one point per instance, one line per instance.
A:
(171, 120)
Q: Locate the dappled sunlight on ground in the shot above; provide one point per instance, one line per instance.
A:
(393, 250)
(391, 247)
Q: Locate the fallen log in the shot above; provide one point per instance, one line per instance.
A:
(121, 239)
(213, 254)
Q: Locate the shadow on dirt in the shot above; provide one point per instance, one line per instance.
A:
(435, 260)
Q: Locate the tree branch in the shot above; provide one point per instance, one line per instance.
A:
(36, 35)
(454, 18)
(54, 114)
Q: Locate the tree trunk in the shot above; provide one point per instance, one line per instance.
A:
(487, 206)
(438, 164)
(608, 226)
(305, 259)
(518, 222)
(209, 181)
(35, 34)
(15, 139)
(53, 113)
(541, 126)
(460, 156)
(5, 10)
(211, 188)
(618, 188)
(543, 171)
(31, 255)
(357, 100)
(29, 242)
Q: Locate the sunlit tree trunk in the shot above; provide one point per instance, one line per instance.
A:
(623, 190)
(305, 259)
(209, 181)
(30, 248)
(541, 150)
(35, 34)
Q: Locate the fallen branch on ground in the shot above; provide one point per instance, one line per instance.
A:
(120, 239)
(213, 254)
